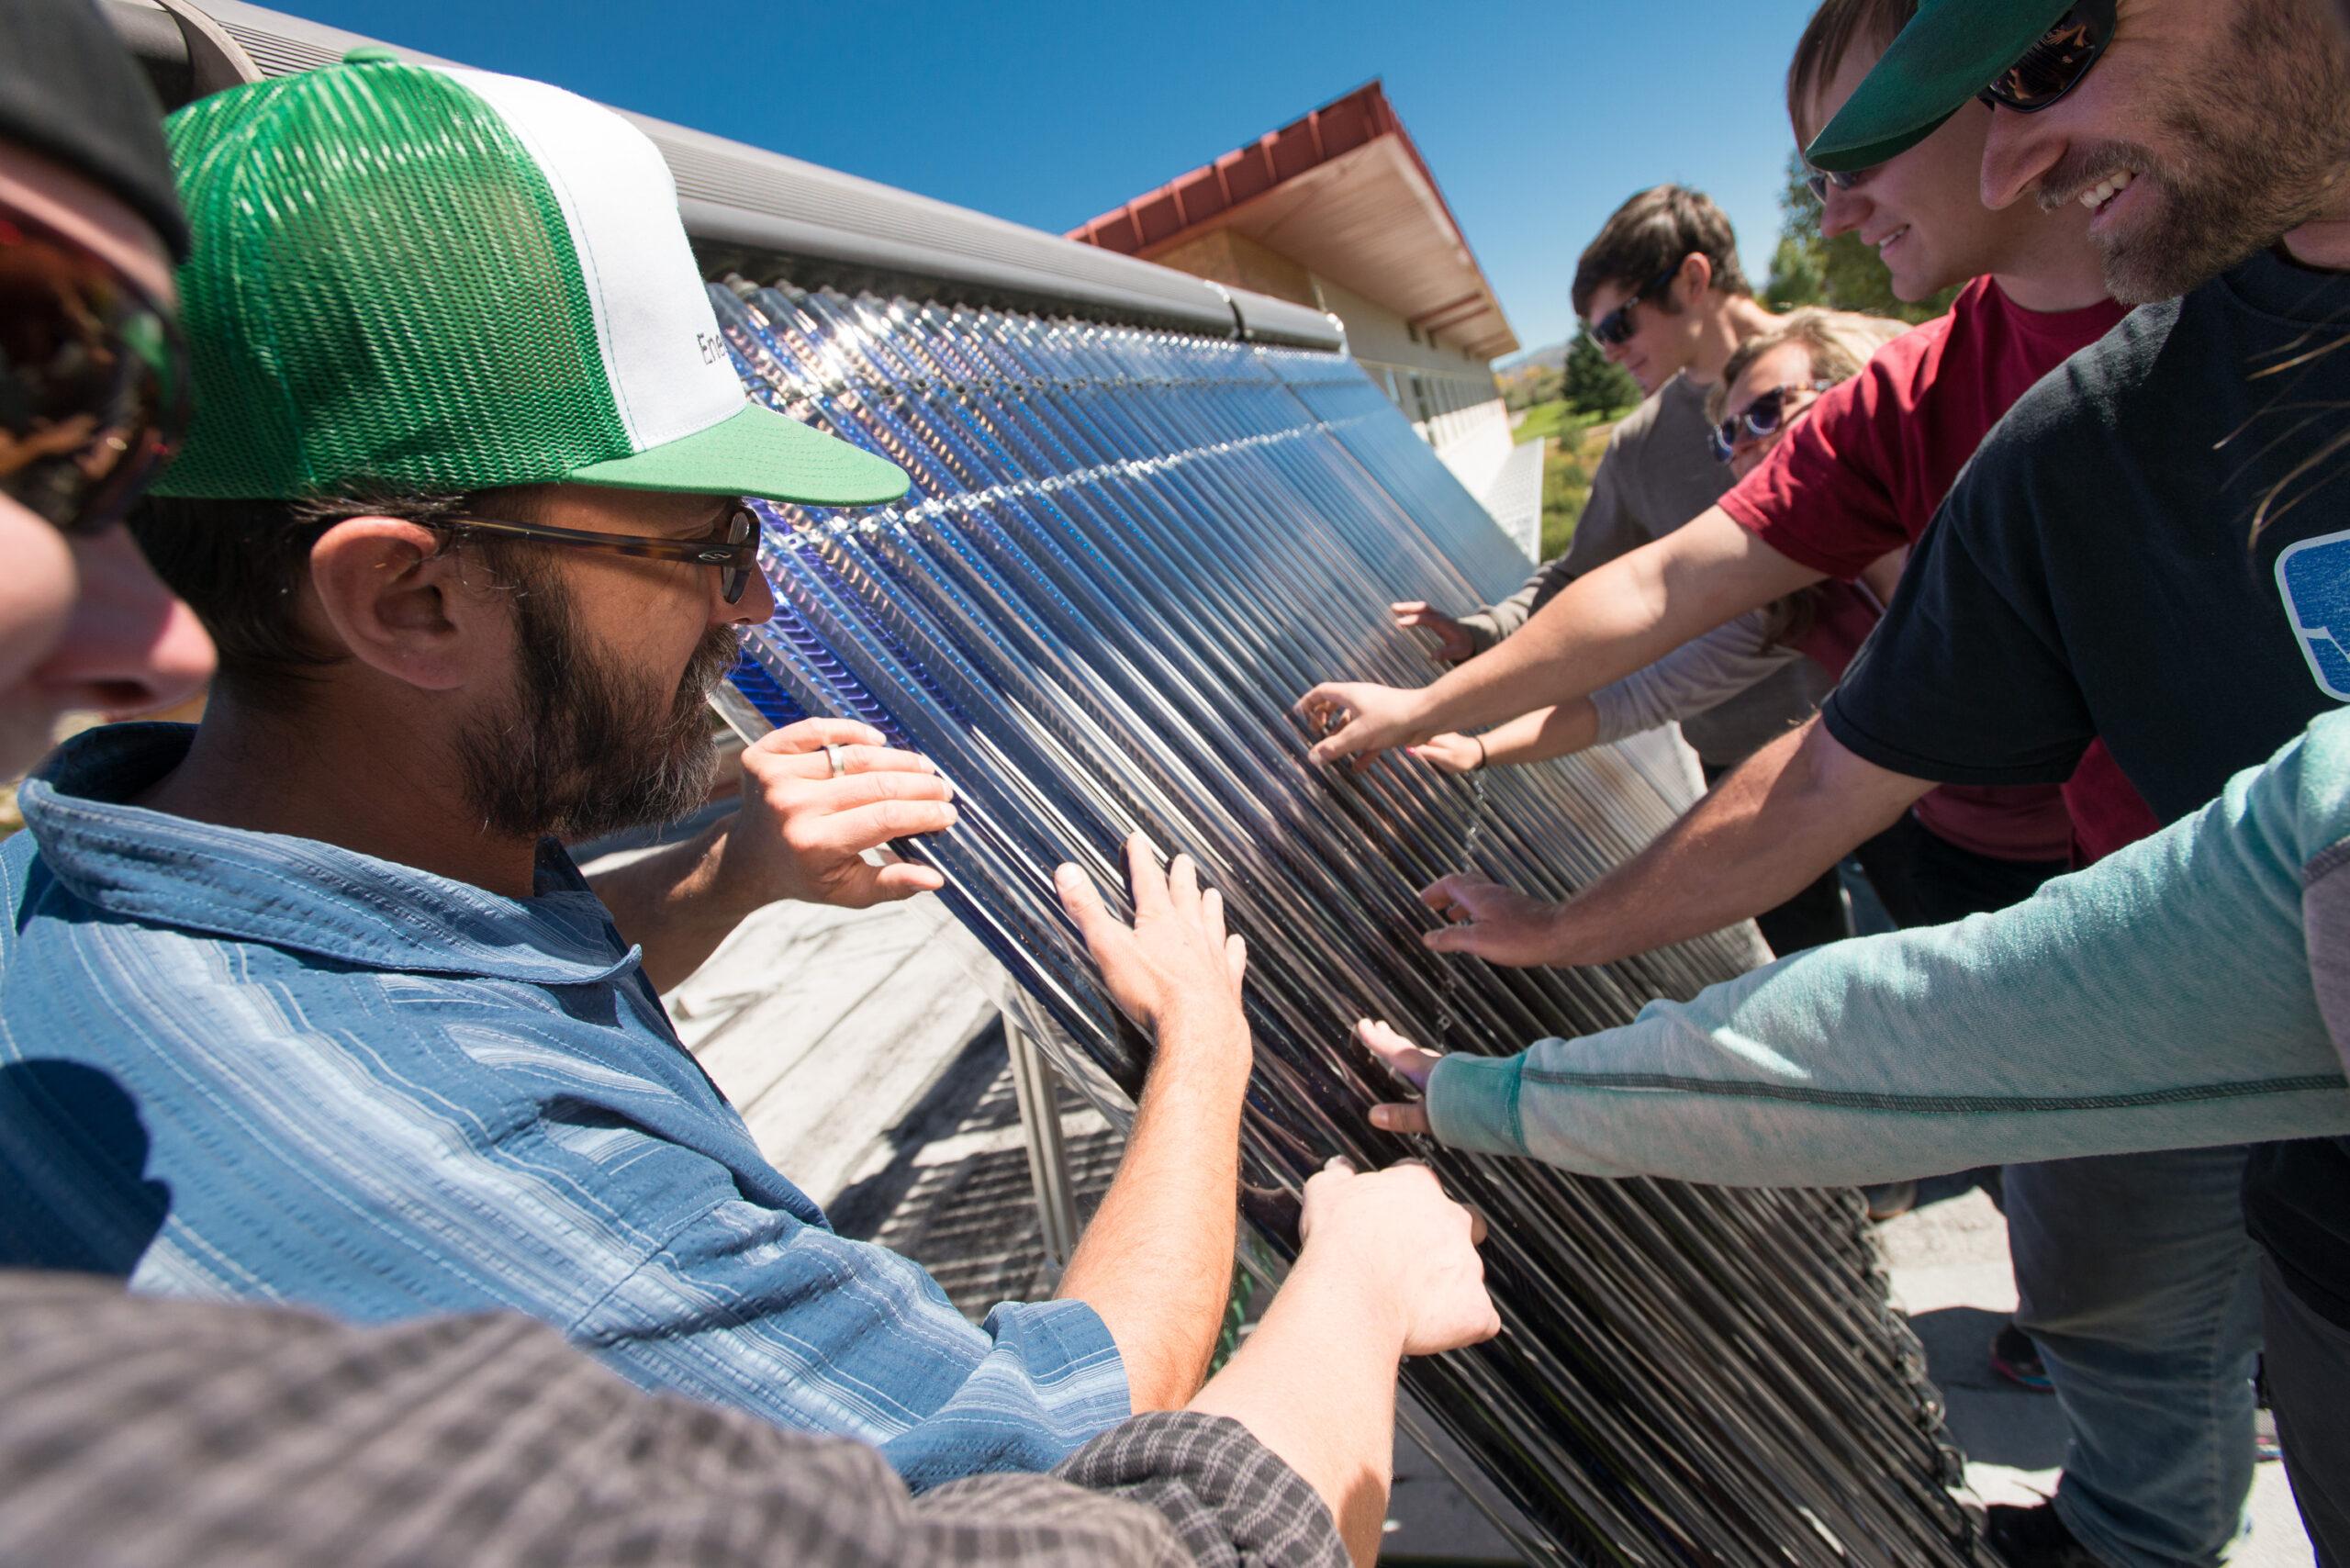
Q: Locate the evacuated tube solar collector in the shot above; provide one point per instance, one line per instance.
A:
(1125, 548)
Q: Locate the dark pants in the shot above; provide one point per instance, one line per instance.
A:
(1922, 878)
(2308, 1382)
(2135, 1280)
(1818, 914)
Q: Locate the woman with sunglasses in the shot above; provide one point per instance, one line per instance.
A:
(1767, 384)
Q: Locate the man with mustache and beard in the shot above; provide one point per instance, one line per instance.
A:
(462, 504)
(136, 1430)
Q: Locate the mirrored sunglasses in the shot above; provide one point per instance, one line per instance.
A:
(1762, 419)
(93, 379)
(2055, 65)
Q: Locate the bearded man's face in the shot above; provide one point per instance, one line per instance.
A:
(585, 745)
(2207, 130)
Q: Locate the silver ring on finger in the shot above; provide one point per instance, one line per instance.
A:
(839, 759)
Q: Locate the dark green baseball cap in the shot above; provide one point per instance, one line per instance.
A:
(1949, 52)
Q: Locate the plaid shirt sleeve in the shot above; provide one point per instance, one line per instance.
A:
(136, 1431)
(1232, 1499)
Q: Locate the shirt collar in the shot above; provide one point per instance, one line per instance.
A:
(2273, 284)
(297, 893)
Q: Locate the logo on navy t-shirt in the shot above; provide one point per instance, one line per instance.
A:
(2314, 576)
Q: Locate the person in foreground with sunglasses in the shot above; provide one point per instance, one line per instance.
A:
(472, 549)
(1663, 289)
(92, 395)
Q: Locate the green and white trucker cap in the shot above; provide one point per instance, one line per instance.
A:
(449, 280)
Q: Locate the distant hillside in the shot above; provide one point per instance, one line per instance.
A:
(1552, 358)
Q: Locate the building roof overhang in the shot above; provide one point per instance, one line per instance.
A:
(1344, 193)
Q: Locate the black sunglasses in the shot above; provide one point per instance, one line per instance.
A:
(93, 379)
(735, 554)
(1820, 181)
(1616, 327)
(2055, 66)
(1763, 419)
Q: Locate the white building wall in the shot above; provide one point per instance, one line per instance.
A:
(1447, 394)
(1453, 402)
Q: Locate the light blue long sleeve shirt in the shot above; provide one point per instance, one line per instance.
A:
(2161, 999)
(246, 1066)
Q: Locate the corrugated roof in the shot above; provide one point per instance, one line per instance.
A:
(1344, 192)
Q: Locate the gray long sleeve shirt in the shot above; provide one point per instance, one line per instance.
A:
(1695, 679)
(1658, 474)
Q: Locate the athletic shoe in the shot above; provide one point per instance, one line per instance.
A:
(2017, 1358)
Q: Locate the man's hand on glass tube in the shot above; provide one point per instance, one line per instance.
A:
(1360, 719)
(1487, 920)
(1176, 960)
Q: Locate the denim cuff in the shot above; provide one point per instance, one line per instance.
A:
(1472, 1103)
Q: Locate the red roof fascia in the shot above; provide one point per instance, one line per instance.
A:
(1193, 199)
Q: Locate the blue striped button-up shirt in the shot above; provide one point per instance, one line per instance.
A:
(242, 1065)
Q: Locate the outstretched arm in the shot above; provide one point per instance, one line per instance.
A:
(1696, 677)
(1546, 733)
(1600, 628)
(1787, 813)
(2094, 1018)
(1389, 1269)
(1155, 1262)
(1693, 678)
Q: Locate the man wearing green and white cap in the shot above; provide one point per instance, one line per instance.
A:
(309, 1004)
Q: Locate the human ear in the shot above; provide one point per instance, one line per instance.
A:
(393, 597)
(1698, 272)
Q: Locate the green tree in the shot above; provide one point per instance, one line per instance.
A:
(1794, 277)
(1810, 270)
(1593, 385)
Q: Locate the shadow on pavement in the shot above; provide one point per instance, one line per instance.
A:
(1992, 1420)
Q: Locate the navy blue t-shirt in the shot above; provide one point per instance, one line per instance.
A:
(2096, 573)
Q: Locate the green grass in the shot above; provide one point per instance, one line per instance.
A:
(1557, 418)
(1543, 420)
(1567, 469)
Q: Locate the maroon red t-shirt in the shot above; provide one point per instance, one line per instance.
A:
(1864, 472)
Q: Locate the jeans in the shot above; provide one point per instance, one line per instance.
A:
(2136, 1278)
(2139, 1284)
(1922, 878)
(2309, 1375)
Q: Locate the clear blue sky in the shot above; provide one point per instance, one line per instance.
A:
(1537, 119)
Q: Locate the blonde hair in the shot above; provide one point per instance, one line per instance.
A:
(1840, 342)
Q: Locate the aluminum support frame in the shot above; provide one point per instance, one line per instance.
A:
(1037, 1086)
